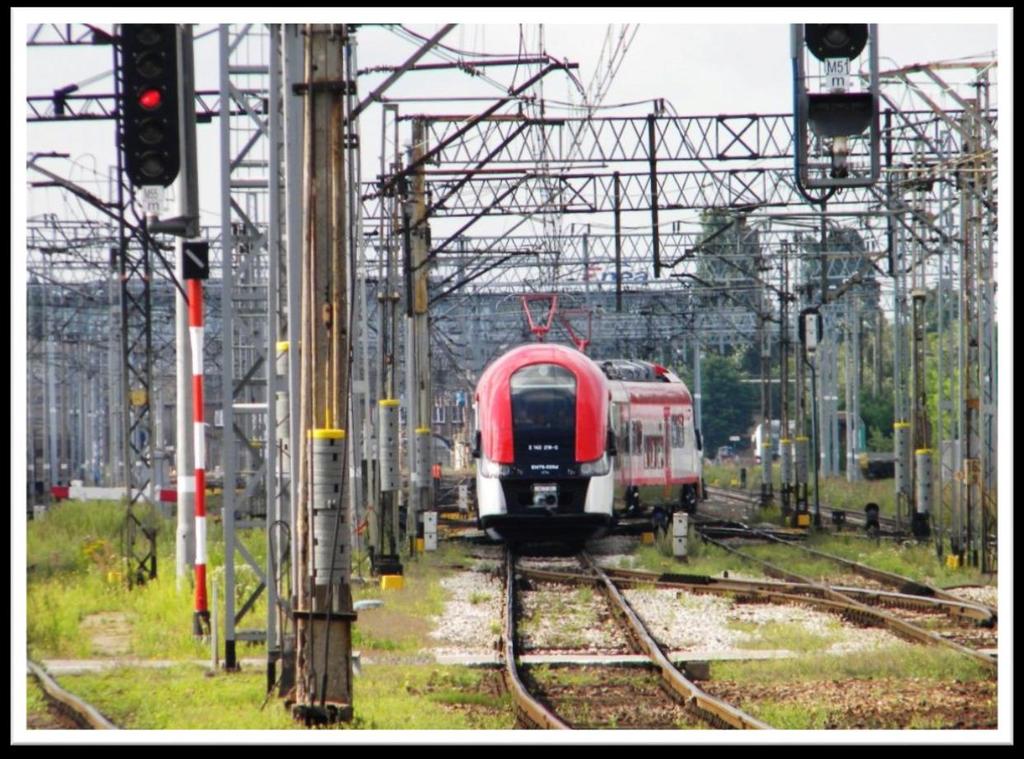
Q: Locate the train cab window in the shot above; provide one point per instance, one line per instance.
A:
(544, 407)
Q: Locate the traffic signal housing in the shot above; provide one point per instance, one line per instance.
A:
(836, 129)
(826, 41)
(149, 103)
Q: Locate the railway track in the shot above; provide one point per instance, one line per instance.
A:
(905, 585)
(82, 713)
(828, 514)
(843, 603)
(539, 712)
(769, 590)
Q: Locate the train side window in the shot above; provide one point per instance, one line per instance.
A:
(637, 443)
(678, 431)
(654, 452)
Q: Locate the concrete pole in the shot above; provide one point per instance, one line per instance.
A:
(418, 389)
(324, 600)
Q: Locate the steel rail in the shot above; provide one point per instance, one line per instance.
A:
(532, 709)
(887, 577)
(772, 589)
(827, 511)
(729, 588)
(80, 711)
(895, 624)
(880, 575)
(694, 697)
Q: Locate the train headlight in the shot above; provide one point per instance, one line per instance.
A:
(490, 468)
(598, 468)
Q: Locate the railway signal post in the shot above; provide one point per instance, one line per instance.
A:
(197, 268)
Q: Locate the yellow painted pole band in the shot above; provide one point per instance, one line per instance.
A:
(387, 402)
(327, 434)
(785, 441)
(801, 438)
(900, 425)
(282, 346)
(423, 430)
(924, 450)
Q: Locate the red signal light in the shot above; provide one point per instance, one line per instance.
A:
(150, 99)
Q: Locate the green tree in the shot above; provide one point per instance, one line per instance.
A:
(877, 414)
(728, 404)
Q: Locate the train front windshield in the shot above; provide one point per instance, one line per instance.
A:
(544, 417)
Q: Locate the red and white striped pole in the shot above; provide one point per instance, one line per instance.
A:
(201, 617)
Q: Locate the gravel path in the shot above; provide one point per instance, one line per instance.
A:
(471, 622)
(988, 595)
(557, 617)
(686, 622)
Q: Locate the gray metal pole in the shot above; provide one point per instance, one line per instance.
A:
(227, 357)
(274, 642)
(293, 133)
(360, 391)
(697, 392)
(53, 457)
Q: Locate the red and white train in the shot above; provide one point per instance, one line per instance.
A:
(565, 444)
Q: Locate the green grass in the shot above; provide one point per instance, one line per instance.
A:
(782, 716)
(911, 559)
(835, 492)
(574, 618)
(35, 701)
(401, 624)
(385, 697)
(773, 636)
(76, 537)
(702, 559)
(899, 660)
(916, 561)
(76, 571)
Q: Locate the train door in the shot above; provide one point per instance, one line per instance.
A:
(680, 458)
(620, 425)
(633, 471)
(669, 452)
